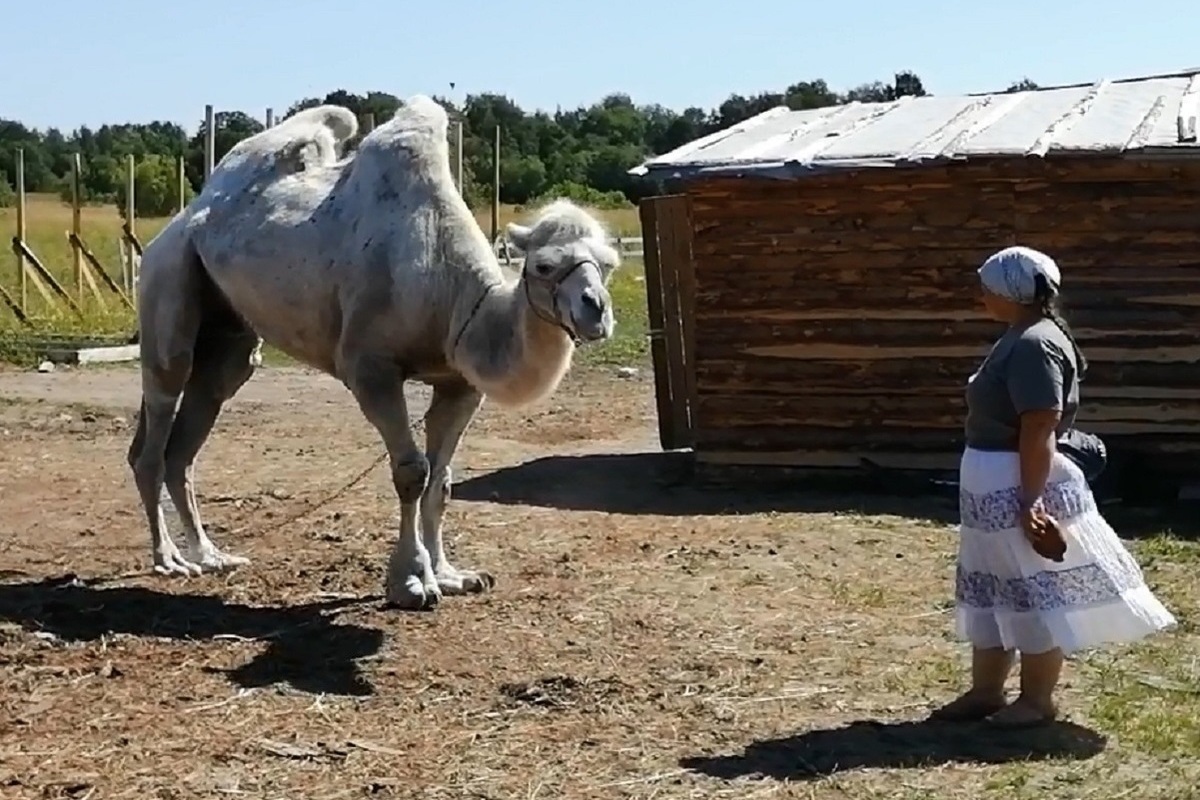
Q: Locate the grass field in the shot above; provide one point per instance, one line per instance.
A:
(49, 220)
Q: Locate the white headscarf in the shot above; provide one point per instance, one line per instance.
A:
(1011, 273)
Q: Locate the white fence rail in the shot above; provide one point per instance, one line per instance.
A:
(627, 246)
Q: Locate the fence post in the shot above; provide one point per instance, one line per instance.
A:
(210, 141)
(131, 220)
(458, 149)
(21, 270)
(180, 178)
(496, 186)
(77, 224)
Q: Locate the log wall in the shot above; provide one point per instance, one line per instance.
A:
(838, 317)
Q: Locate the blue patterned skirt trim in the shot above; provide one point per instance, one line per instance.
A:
(1009, 596)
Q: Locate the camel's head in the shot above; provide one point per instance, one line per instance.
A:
(568, 263)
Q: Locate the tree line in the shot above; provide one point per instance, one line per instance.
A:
(583, 153)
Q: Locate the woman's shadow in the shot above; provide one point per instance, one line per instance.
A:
(869, 744)
(305, 648)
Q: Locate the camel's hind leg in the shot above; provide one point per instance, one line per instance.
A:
(194, 347)
(224, 360)
(168, 325)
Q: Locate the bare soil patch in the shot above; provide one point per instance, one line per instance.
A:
(647, 638)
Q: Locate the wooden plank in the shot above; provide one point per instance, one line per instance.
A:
(92, 262)
(44, 274)
(675, 250)
(14, 306)
(94, 355)
(833, 459)
(668, 436)
(83, 277)
(670, 214)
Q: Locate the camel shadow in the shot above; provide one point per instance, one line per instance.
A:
(304, 648)
(868, 744)
(663, 483)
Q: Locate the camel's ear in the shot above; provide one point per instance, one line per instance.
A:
(519, 234)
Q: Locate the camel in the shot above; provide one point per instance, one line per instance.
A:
(371, 268)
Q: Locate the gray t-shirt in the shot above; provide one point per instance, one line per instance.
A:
(1027, 369)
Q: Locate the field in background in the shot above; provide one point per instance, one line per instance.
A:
(49, 220)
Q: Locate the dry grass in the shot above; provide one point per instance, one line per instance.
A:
(49, 220)
(648, 638)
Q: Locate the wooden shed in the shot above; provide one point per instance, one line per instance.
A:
(812, 285)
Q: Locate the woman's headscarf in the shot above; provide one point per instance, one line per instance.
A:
(1012, 272)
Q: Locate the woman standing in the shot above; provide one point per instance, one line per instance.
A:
(1014, 485)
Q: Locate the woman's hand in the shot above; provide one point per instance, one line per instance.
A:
(1043, 532)
(1033, 521)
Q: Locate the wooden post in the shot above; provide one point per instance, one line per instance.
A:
(21, 272)
(181, 179)
(210, 141)
(368, 123)
(83, 276)
(496, 187)
(131, 221)
(77, 223)
(458, 148)
(270, 117)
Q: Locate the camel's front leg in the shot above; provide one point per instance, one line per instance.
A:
(450, 412)
(379, 389)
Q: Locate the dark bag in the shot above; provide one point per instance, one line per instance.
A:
(1086, 450)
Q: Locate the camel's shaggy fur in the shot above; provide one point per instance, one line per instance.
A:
(373, 269)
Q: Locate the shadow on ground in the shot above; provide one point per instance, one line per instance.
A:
(897, 745)
(305, 648)
(663, 484)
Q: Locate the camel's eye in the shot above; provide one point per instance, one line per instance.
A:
(543, 268)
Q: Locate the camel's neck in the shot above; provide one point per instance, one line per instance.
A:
(506, 350)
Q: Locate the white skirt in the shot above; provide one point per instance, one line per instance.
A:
(1008, 596)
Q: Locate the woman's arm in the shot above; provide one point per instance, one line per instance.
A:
(1035, 386)
(1038, 444)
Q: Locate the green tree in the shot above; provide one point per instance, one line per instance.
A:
(584, 151)
(8, 195)
(155, 188)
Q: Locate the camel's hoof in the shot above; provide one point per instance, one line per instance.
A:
(216, 561)
(478, 582)
(172, 564)
(411, 596)
(454, 582)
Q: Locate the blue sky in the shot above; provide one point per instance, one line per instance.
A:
(138, 60)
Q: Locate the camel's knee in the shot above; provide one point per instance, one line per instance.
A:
(148, 448)
(439, 485)
(410, 478)
(139, 440)
(149, 469)
(175, 470)
(437, 493)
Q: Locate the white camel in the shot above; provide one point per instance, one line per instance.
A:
(372, 269)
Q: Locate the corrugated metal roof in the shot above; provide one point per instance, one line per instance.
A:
(1133, 115)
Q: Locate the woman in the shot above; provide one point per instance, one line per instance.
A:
(1013, 484)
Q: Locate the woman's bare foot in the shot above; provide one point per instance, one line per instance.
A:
(1024, 712)
(972, 706)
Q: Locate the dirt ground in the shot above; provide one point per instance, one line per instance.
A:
(647, 637)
